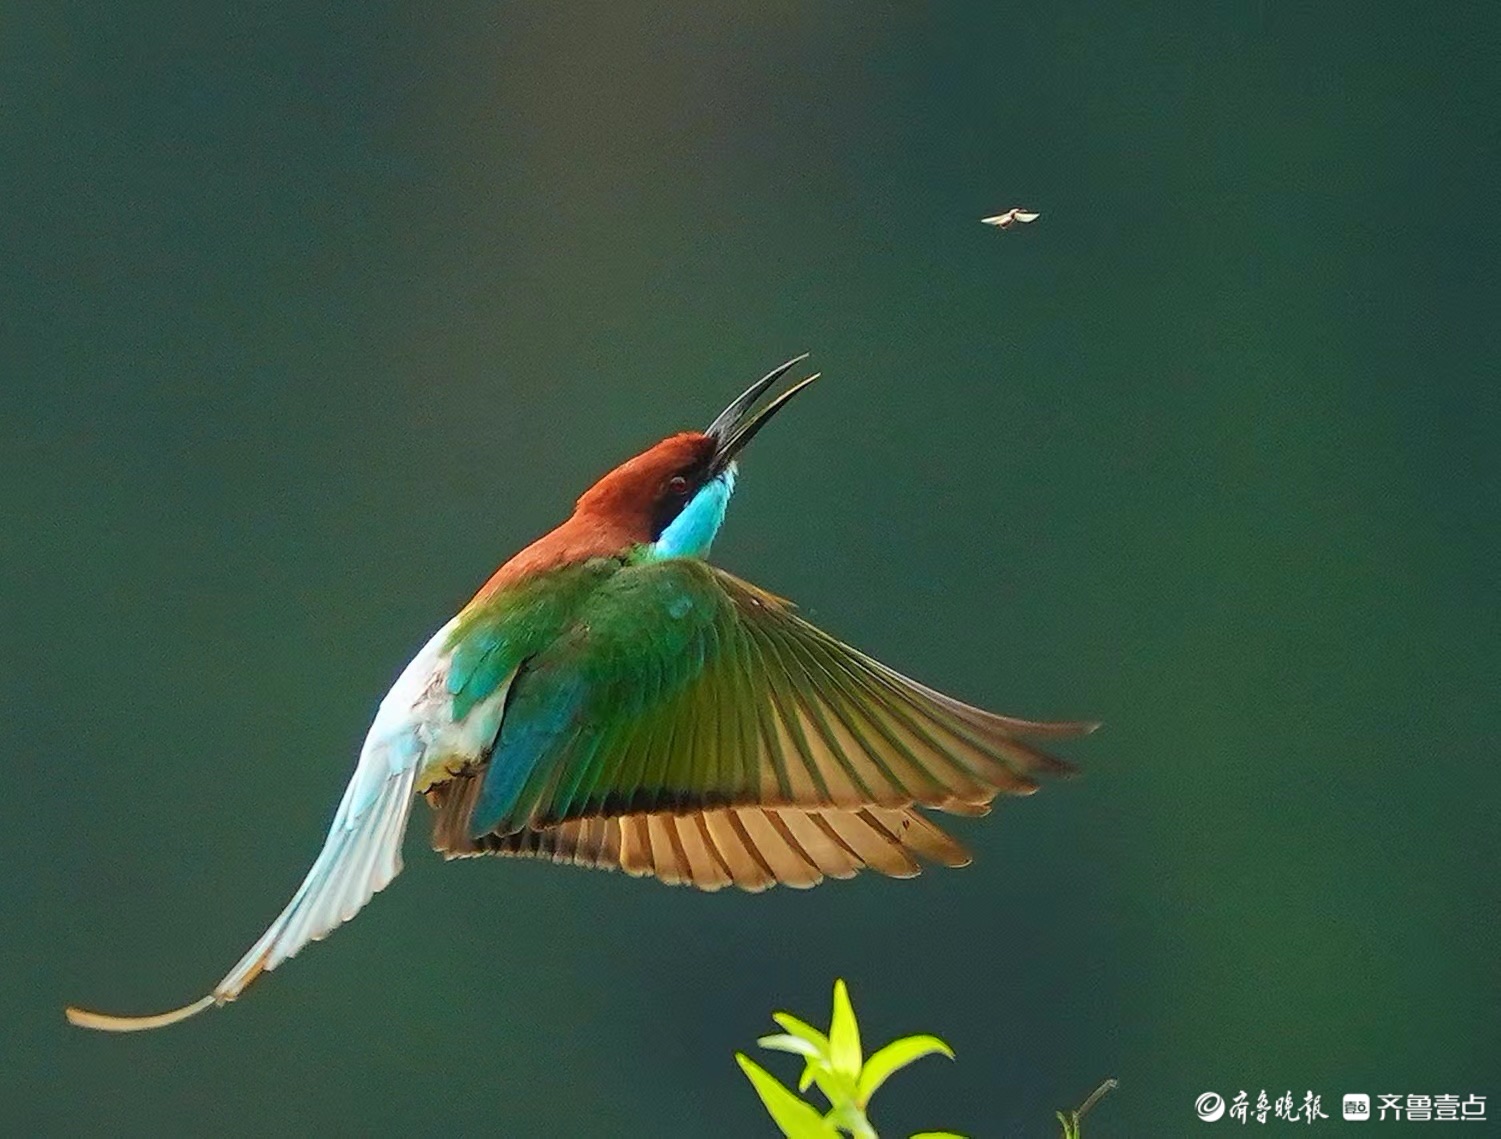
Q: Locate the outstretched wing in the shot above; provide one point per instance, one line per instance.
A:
(680, 690)
(749, 847)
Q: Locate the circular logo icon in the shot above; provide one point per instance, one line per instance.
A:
(1210, 1106)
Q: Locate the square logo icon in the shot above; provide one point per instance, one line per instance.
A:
(1357, 1106)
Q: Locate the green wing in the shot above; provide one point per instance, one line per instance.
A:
(686, 701)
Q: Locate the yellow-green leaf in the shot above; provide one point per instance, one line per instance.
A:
(786, 1042)
(896, 1055)
(802, 1029)
(796, 1119)
(938, 1135)
(844, 1035)
(835, 1088)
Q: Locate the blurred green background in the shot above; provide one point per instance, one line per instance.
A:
(312, 314)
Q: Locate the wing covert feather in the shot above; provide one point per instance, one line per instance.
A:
(681, 689)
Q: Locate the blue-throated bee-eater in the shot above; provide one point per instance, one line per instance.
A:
(610, 699)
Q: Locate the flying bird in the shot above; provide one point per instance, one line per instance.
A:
(610, 699)
(1010, 218)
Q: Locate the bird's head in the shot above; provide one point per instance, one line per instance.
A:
(674, 494)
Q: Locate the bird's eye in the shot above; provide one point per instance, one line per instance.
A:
(677, 485)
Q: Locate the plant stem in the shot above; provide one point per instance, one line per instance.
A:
(1095, 1096)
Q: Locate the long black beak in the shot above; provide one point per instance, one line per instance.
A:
(736, 425)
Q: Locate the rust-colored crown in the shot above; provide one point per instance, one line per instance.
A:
(617, 512)
(631, 491)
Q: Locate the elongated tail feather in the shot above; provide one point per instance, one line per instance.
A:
(362, 852)
(360, 858)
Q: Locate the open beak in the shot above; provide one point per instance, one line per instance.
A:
(737, 425)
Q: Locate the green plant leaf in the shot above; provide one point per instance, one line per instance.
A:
(851, 1120)
(844, 1036)
(938, 1135)
(805, 1031)
(794, 1027)
(895, 1056)
(786, 1042)
(810, 1073)
(796, 1119)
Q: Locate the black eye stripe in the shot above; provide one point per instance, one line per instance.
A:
(673, 497)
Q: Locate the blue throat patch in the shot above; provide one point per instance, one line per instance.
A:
(692, 532)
